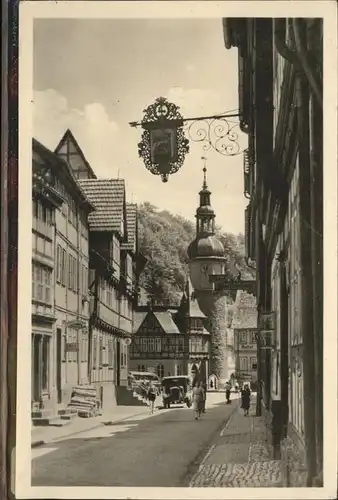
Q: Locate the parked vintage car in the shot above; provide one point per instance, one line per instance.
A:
(139, 381)
(176, 390)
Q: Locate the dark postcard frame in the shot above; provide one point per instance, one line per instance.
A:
(9, 243)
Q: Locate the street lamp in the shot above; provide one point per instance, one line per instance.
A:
(164, 143)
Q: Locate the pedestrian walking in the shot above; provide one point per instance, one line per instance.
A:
(151, 397)
(197, 400)
(246, 393)
(204, 387)
(228, 392)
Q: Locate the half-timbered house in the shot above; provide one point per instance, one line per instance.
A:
(171, 341)
(283, 174)
(113, 283)
(60, 260)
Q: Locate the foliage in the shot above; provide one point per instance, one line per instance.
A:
(164, 239)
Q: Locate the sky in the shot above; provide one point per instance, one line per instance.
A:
(94, 76)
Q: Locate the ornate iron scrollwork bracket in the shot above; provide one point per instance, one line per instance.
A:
(219, 133)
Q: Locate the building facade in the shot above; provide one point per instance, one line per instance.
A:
(85, 271)
(60, 240)
(171, 341)
(244, 324)
(113, 285)
(45, 201)
(284, 225)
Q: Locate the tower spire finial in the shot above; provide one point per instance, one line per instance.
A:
(204, 172)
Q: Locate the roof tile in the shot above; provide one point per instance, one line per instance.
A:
(131, 210)
(108, 196)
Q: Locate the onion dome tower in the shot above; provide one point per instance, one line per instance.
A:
(206, 257)
(206, 252)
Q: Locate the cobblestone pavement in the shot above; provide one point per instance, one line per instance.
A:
(241, 456)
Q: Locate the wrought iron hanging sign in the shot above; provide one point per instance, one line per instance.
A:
(164, 142)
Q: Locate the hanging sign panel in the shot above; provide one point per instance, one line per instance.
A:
(163, 145)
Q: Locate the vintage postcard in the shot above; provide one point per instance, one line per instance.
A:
(177, 250)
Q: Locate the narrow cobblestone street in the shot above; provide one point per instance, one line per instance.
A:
(240, 456)
(164, 449)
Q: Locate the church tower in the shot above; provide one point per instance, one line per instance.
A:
(206, 257)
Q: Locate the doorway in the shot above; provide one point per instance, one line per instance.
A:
(118, 363)
(36, 373)
(58, 364)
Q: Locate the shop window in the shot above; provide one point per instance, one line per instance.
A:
(94, 352)
(123, 356)
(179, 370)
(101, 353)
(45, 363)
(110, 354)
(160, 371)
(141, 368)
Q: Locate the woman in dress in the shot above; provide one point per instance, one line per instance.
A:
(151, 397)
(246, 393)
(197, 400)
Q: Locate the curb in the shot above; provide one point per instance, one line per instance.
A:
(37, 444)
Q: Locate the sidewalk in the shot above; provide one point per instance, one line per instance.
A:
(240, 456)
(48, 434)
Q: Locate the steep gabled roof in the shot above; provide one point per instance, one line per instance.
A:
(189, 304)
(138, 318)
(131, 212)
(166, 321)
(69, 137)
(47, 156)
(108, 196)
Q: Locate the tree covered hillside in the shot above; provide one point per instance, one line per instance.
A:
(164, 239)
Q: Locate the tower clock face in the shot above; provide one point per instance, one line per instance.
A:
(204, 269)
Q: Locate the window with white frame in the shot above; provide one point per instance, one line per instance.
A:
(243, 337)
(108, 294)
(63, 266)
(116, 251)
(41, 283)
(243, 364)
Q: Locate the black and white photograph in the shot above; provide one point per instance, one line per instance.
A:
(176, 334)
